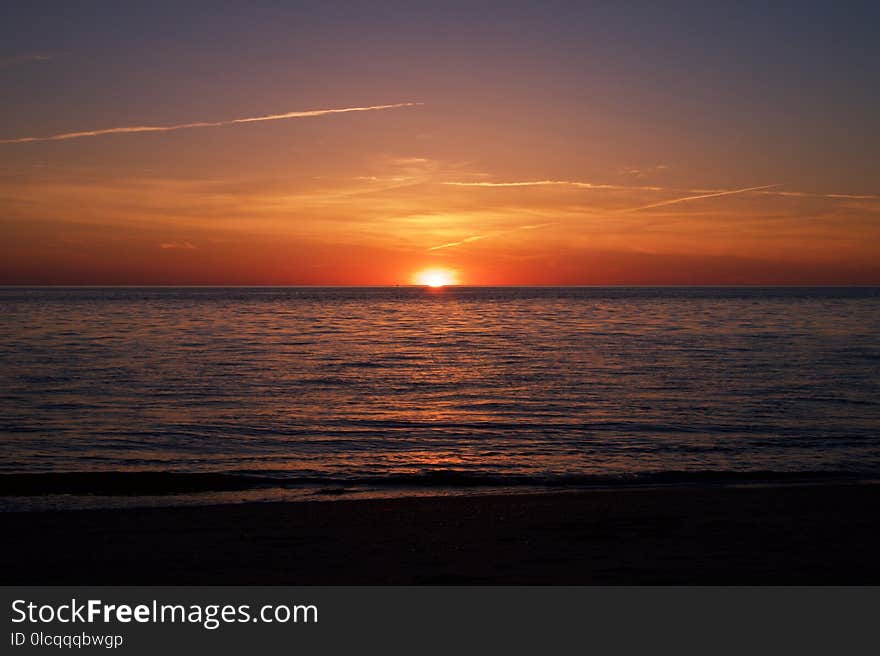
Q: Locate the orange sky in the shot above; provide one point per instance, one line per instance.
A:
(400, 214)
(516, 167)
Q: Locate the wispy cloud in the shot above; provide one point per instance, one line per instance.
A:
(183, 245)
(15, 60)
(807, 194)
(204, 124)
(641, 172)
(685, 199)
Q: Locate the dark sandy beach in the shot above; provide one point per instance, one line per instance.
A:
(811, 534)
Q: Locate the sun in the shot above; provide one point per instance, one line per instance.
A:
(436, 277)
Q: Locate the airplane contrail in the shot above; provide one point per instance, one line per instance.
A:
(672, 201)
(468, 240)
(699, 193)
(548, 183)
(453, 244)
(687, 198)
(204, 124)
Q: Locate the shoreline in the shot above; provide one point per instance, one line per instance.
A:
(124, 482)
(747, 534)
(119, 490)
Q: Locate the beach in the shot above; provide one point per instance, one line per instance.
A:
(719, 535)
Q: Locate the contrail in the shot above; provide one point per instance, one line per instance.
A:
(453, 244)
(687, 198)
(806, 194)
(468, 240)
(697, 193)
(547, 183)
(204, 124)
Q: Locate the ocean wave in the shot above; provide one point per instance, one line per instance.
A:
(144, 483)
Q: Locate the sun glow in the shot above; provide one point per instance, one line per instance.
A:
(436, 277)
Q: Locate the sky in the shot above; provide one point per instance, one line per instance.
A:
(540, 143)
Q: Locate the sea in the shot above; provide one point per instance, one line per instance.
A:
(126, 396)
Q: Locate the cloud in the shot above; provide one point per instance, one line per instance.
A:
(641, 172)
(23, 59)
(184, 245)
(204, 124)
(806, 194)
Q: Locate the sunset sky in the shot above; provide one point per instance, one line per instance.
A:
(511, 143)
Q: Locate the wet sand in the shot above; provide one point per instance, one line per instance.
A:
(811, 534)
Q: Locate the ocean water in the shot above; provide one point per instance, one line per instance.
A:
(329, 392)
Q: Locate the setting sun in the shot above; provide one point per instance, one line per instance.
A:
(436, 277)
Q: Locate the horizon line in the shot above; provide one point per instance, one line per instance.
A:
(412, 286)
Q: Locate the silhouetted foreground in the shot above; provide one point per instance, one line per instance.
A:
(712, 535)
